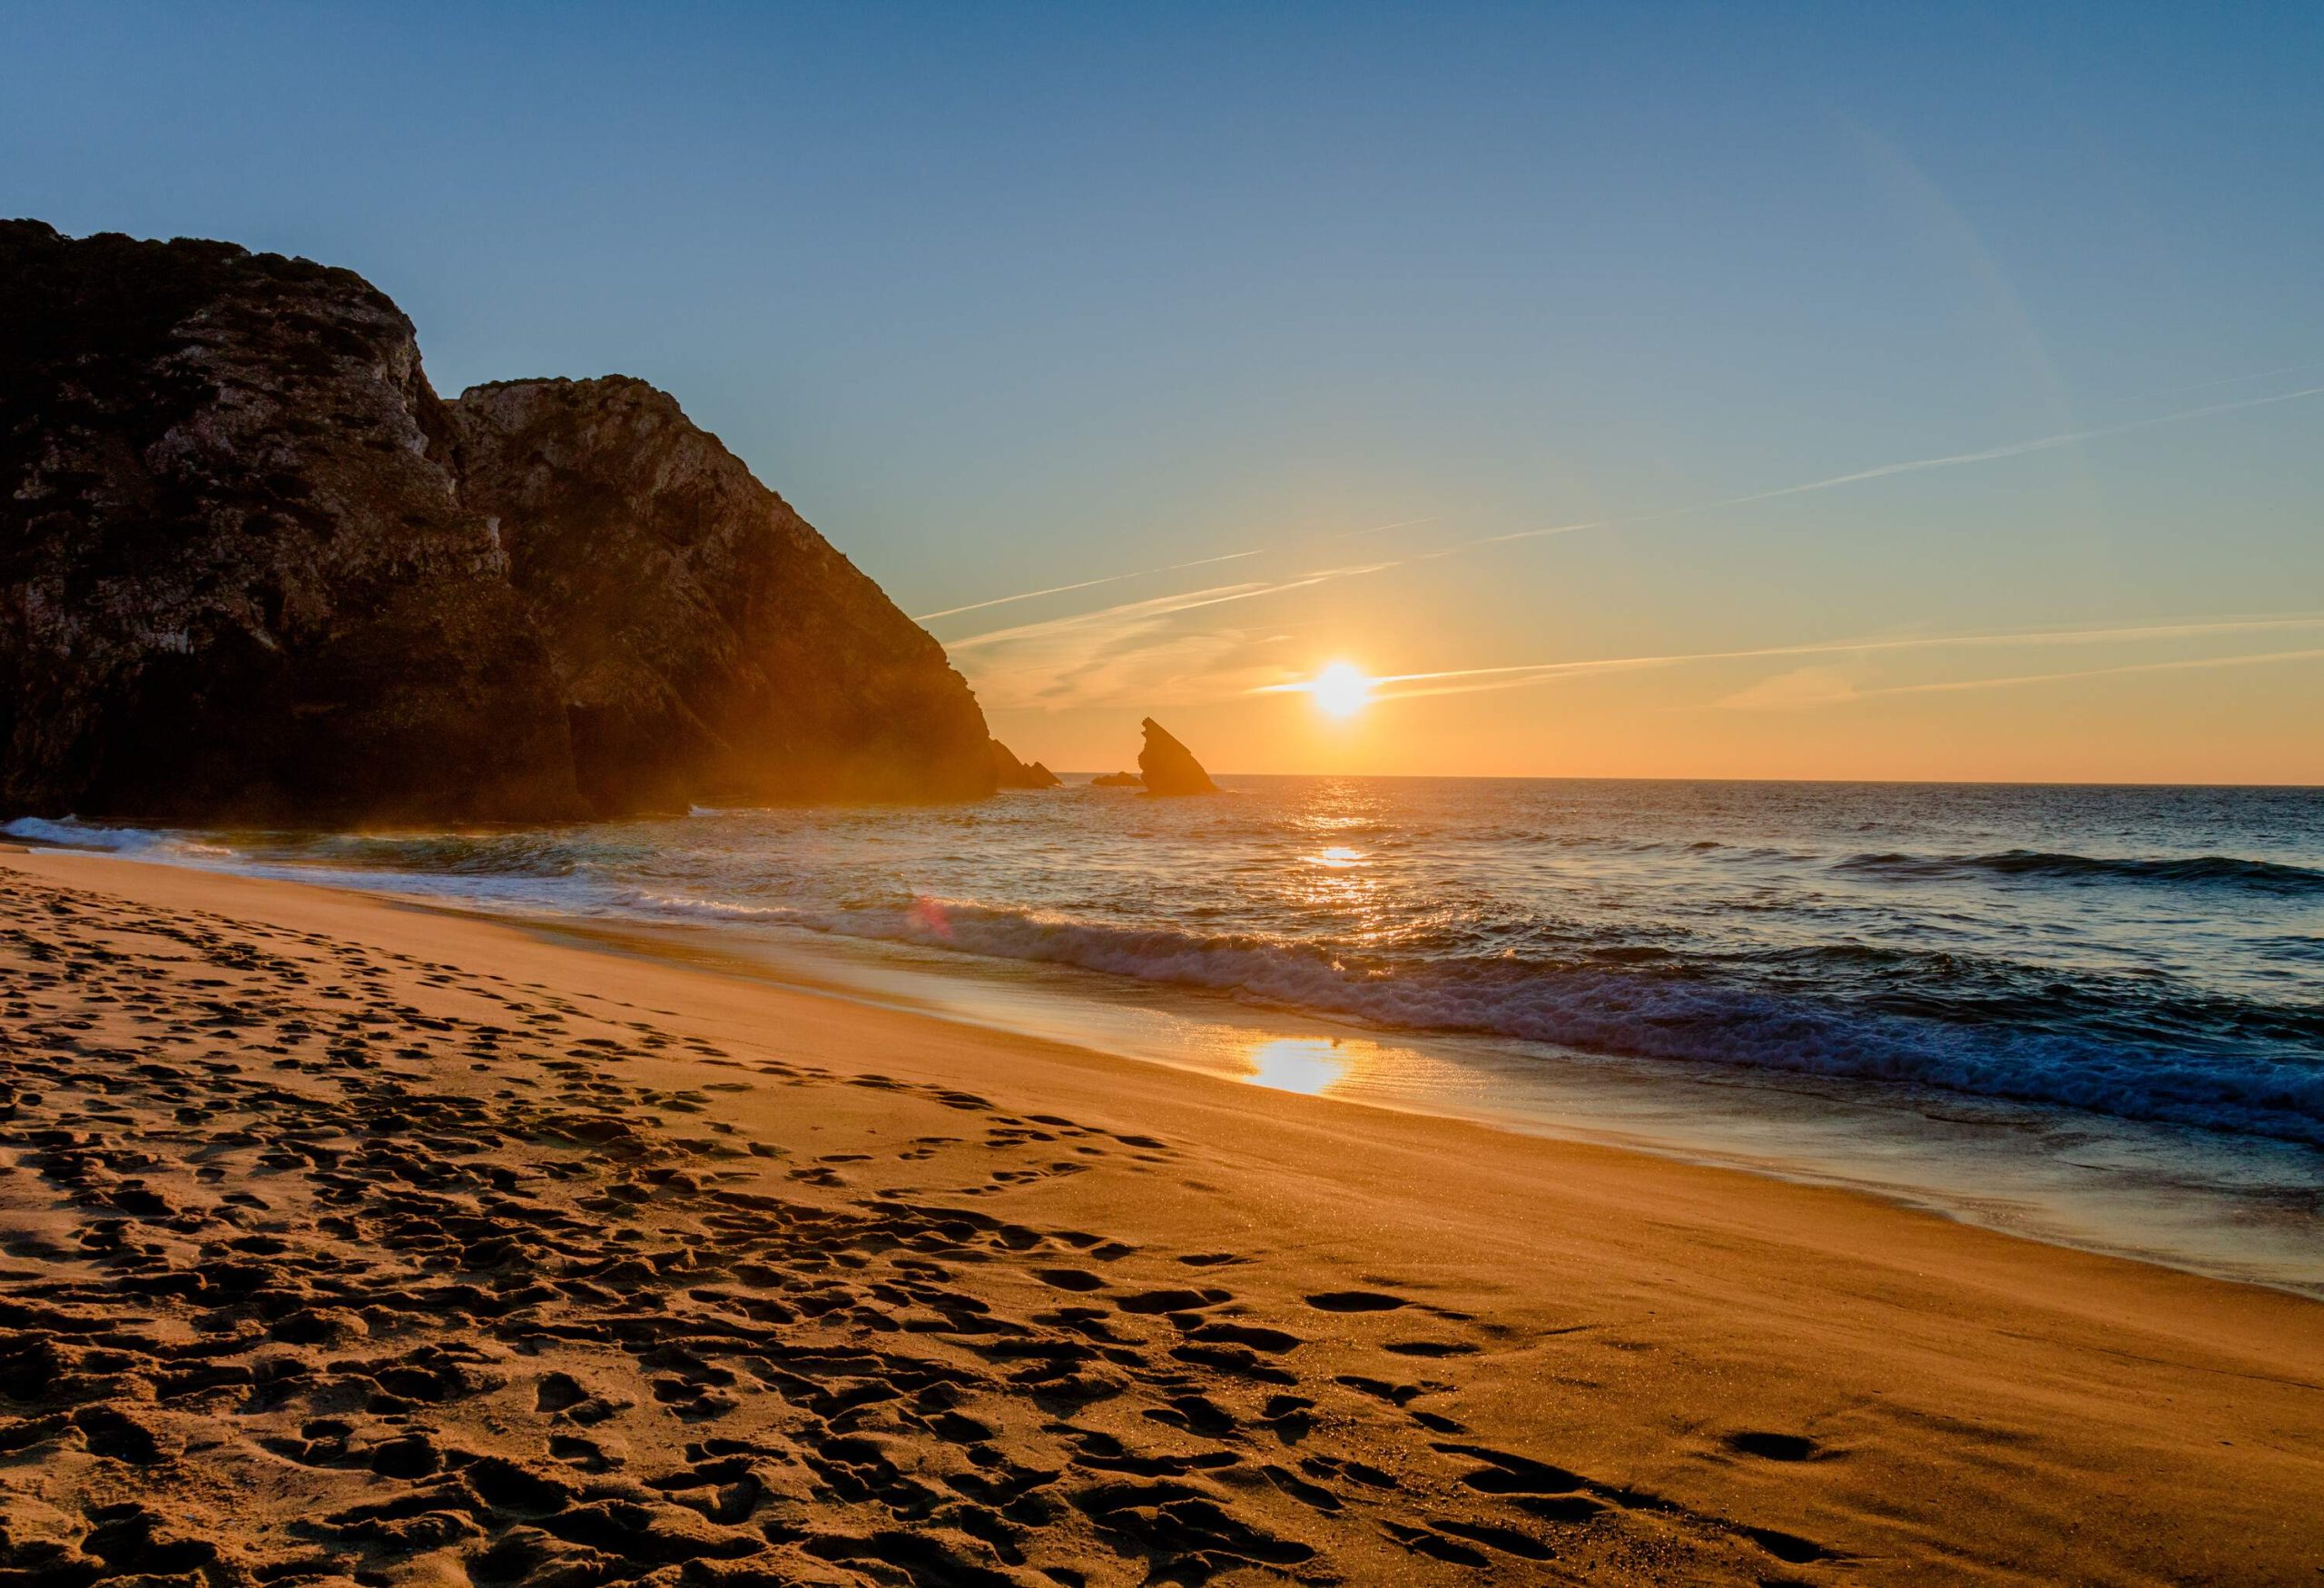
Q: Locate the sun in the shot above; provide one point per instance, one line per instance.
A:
(1340, 689)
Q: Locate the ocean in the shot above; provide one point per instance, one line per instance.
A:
(2091, 1014)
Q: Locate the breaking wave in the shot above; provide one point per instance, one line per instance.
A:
(2212, 871)
(1667, 1013)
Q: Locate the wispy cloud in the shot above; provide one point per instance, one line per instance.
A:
(1466, 680)
(1147, 573)
(1086, 657)
(1130, 614)
(1128, 650)
(1084, 585)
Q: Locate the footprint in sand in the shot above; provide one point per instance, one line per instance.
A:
(1774, 1446)
(1069, 1278)
(1356, 1301)
(521, 1325)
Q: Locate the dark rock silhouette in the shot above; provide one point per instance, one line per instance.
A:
(1169, 768)
(708, 642)
(235, 582)
(253, 568)
(1010, 772)
(1117, 780)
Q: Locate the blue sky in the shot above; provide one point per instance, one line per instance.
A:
(1008, 297)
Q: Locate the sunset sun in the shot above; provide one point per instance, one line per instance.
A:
(1340, 689)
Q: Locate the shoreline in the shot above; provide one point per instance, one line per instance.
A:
(1643, 1367)
(1948, 1155)
(2248, 1209)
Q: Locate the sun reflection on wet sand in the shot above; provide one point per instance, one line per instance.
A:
(1302, 1064)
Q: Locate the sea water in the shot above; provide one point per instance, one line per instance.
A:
(2091, 1013)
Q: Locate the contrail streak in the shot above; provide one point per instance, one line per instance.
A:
(1142, 572)
(1384, 528)
(1915, 465)
(1153, 606)
(1527, 672)
(1085, 585)
(2020, 448)
(2178, 666)
(2238, 379)
(1118, 625)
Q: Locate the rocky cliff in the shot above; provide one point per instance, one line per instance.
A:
(708, 642)
(251, 569)
(235, 580)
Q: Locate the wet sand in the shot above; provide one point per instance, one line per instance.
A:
(344, 1240)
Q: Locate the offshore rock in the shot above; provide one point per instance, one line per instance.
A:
(1117, 780)
(1010, 772)
(253, 569)
(1169, 768)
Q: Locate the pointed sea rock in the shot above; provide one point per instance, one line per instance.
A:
(1170, 768)
(1007, 772)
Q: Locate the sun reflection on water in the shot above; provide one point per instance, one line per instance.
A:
(1301, 1064)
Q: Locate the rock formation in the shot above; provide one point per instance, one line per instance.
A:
(234, 581)
(1010, 772)
(1117, 780)
(1168, 766)
(707, 641)
(251, 569)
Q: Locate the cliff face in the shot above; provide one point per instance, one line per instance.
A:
(708, 642)
(234, 583)
(242, 577)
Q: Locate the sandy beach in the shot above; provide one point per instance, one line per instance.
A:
(348, 1240)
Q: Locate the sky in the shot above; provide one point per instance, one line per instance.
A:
(1755, 392)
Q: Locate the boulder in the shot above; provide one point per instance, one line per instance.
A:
(253, 569)
(1010, 772)
(1117, 780)
(1169, 768)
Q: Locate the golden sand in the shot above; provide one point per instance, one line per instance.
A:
(344, 1238)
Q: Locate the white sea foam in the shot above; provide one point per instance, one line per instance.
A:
(150, 841)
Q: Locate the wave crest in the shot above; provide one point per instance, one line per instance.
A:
(2193, 871)
(1636, 1011)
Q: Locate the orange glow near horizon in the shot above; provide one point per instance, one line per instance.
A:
(1435, 674)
